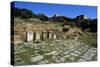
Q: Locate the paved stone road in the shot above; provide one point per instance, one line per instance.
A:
(54, 52)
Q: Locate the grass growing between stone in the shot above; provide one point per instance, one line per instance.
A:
(55, 51)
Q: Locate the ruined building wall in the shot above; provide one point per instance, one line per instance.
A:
(38, 31)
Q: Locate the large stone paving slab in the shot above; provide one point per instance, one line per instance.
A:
(37, 58)
(54, 52)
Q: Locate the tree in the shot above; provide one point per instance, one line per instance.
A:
(23, 13)
(93, 25)
(42, 17)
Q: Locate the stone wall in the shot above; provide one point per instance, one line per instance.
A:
(15, 39)
(43, 31)
(30, 32)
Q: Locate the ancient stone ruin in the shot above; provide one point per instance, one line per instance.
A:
(34, 32)
(37, 32)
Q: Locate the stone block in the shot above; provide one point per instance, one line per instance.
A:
(37, 58)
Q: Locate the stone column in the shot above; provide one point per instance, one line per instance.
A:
(54, 36)
(37, 37)
(50, 34)
(44, 35)
(30, 36)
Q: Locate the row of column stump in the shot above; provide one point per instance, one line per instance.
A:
(40, 36)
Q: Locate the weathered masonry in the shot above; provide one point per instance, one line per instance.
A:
(39, 36)
(34, 33)
(28, 32)
(34, 36)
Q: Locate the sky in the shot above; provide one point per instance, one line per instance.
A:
(67, 10)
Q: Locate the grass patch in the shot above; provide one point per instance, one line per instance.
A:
(90, 39)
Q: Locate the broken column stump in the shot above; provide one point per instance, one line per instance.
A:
(30, 36)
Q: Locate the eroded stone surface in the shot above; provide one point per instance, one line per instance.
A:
(37, 58)
(54, 52)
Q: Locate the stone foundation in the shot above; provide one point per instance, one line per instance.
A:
(30, 32)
